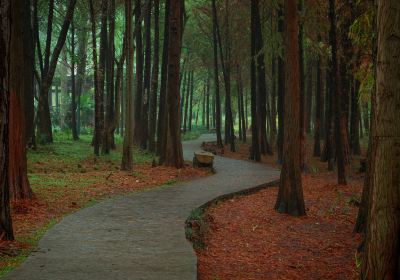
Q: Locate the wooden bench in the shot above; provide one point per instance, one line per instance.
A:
(203, 159)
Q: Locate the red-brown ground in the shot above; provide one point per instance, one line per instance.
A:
(247, 239)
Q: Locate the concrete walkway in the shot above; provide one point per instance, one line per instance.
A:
(139, 236)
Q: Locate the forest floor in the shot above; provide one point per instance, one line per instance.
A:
(66, 177)
(264, 244)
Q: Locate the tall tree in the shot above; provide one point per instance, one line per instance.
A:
(162, 112)
(18, 178)
(339, 147)
(290, 197)
(255, 143)
(6, 230)
(74, 127)
(47, 69)
(382, 254)
(147, 77)
(174, 153)
(216, 77)
(127, 153)
(318, 111)
(97, 128)
(154, 81)
(281, 92)
(108, 133)
(139, 72)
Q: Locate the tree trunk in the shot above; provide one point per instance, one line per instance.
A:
(355, 120)
(281, 93)
(216, 77)
(81, 64)
(290, 197)
(162, 113)
(154, 81)
(191, 102)
(73, 86)
(255, 144)
(337, 97)
(318, 112)
(127, 150)
(382, 254)
(29, 58)
(6, 229)
(186, 95)
(139, 73)
(108, 133)
(17, 169)
(174, 153)
(147, 78)
(261, 84)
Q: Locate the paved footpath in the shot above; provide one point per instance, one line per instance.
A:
(138, 236)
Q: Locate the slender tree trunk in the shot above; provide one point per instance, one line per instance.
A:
(174, 153)
(73, 86)
(154, 81)
(183, 89)
(29, 58)
(139, 72)
(281, 94)
(6, 229)
(186, 93)
(127, 150)
(147, 78)
(336, 93)
(318, 112)
(382, 253)
(208, 103)
(216, 77)
(255, 145)
(290, 197)
(261, 84)
(191, 102)
(162, 113)
(108, 134)
(81, 64)
(355, 120)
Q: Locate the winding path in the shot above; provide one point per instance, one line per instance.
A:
(139, 236)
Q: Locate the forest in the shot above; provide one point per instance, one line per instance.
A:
(200, 139)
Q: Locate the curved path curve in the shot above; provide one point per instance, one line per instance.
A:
(139, 236)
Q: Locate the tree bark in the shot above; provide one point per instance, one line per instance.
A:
(74, 128)
(139, 73)
(355, 120)
(318, 112)
(162, 112)
(147, 78)
(290, 197)
(216, 77)
(6, 229)
(127, 150)
(255, 144)
(174, 153)
(382, 254)
(17, 167)
(108, 133)
(154, 81)
(336, 93)
(281, 93)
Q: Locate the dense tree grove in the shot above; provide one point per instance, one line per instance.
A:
(275, 73)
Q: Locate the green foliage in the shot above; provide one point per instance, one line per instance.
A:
(194, 134)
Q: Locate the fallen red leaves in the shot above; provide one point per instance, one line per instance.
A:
(248, 239)
(52, 202)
